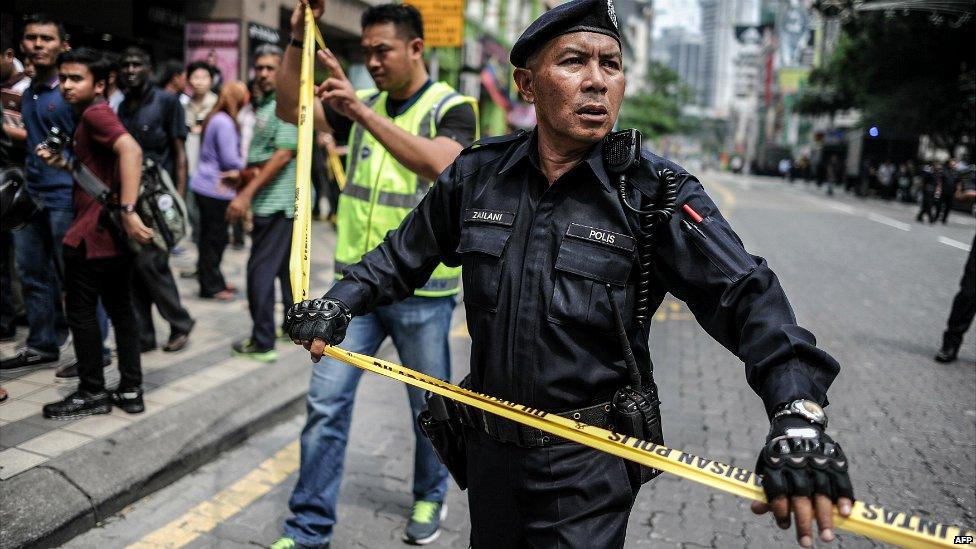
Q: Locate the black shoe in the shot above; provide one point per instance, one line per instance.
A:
(143, 348)
(79, 404)
(130, 400)
(26, 359)
(948, 353)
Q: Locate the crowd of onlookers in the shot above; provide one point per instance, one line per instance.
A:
(84, 263)
(933, 185)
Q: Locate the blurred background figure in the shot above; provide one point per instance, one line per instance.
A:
(215, 184)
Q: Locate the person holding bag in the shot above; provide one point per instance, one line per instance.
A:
(214, 185)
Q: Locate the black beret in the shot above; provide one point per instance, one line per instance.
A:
(575, 16)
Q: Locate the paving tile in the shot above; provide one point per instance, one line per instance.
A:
(223, 372)
(98, 426)
(195, 383)
(167, 395)
(19, 388)
(49, 394)
(14, 410)
(44, 376)
(55, 443)
(15, 460)
(21, 431)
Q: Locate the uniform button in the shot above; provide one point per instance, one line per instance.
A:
(576, 415)
(545, 440)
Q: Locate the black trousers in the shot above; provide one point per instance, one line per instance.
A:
(943, 206)
(270, 247)
(154, 283)
(964, 304)
(212, 243)
(565, 496)
(8, 306)
(87, 280)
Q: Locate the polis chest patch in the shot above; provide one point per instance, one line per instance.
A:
(601, 236)
(492, 217)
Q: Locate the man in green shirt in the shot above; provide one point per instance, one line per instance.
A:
(271, 197)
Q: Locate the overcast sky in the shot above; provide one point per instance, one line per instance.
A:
(676, 13)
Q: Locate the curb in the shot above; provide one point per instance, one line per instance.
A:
(52, 503)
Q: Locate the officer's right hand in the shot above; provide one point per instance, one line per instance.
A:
(298, 16)
(315, 323)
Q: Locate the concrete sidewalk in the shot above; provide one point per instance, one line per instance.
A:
(59, 478)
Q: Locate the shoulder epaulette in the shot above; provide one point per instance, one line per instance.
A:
(496, 140)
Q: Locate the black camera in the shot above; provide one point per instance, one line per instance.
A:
(56, 140)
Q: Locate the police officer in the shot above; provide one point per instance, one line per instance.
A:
(546, 241)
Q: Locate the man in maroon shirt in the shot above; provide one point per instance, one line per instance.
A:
(97, 261)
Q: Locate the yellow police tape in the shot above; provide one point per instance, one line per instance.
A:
(866, 519)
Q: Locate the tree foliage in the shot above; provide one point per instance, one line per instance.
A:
(907, 72)
(656, 113)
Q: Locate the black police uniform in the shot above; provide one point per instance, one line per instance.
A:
(536, 259)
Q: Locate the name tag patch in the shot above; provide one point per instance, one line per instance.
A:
(489, 216)
(601, 236)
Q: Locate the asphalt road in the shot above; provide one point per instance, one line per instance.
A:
(871, 283)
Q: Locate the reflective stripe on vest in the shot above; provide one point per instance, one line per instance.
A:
(380, 191)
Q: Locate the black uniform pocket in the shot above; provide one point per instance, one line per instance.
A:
(482, 247)
(579, 294)
(722, 248)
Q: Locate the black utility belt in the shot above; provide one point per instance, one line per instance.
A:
(509, 432)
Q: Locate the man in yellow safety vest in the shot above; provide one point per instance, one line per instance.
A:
(400, 137)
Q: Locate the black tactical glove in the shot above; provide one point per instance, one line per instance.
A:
(324, 319)
(799, 459)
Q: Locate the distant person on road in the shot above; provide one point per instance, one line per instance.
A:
(945, 192)
(931, 176)
(835, 170)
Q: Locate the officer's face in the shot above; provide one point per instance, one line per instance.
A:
(389, 54)
(577, 84)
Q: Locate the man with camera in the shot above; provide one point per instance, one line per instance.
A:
(97, 263)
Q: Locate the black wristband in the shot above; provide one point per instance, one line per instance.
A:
(296, 42)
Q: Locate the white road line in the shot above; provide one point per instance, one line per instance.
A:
(954, 243)
(844, 208)
(889, 222)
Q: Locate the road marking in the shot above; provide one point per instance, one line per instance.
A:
(728, 198)
(205, 516)
(954, 243)
(843, 208)
(889, 222)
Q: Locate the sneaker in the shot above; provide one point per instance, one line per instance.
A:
(26, 359)
(79, 404)
(69, 372)
(244, 348)
(288, 543)
(129, 400)
(424, 525)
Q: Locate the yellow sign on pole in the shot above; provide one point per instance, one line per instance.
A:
(443, 22)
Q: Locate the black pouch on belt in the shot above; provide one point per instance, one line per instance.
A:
(637, 413)
(439, 421)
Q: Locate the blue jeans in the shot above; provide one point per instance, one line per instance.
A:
(419, 327)
(40, 264)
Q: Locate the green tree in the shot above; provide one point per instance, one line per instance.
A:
(659, 112)
(912, 73)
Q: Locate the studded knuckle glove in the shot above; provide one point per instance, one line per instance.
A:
(324, 319)
(799, 459)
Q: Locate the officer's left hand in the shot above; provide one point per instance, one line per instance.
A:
(337, 91)
(804, 473)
